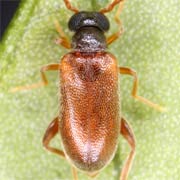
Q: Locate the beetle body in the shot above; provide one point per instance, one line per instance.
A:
(89, 120)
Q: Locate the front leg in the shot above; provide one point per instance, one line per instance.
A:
(120, 31)
(62, 40)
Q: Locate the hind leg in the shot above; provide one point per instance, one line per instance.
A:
(50, 133)
(74, 173)
(128, 134)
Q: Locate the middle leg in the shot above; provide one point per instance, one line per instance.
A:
(44, 82)
(128, 71)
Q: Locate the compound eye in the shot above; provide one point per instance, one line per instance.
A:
(102, 21)
(75, 21)
(83, 19)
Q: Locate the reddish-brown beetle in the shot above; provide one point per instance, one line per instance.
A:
(89, 121)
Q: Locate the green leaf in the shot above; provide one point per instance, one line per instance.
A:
(150, 45)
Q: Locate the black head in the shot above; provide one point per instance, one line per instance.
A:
(85, 19)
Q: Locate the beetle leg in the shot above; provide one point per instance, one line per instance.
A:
(128, 71)
(128, 134)
(51, 131)
(49, 67)
(116, 35)
(74, 173)
(62, 40)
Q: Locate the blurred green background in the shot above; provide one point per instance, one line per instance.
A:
(150, 45)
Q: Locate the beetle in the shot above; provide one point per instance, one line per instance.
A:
(89, 121)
